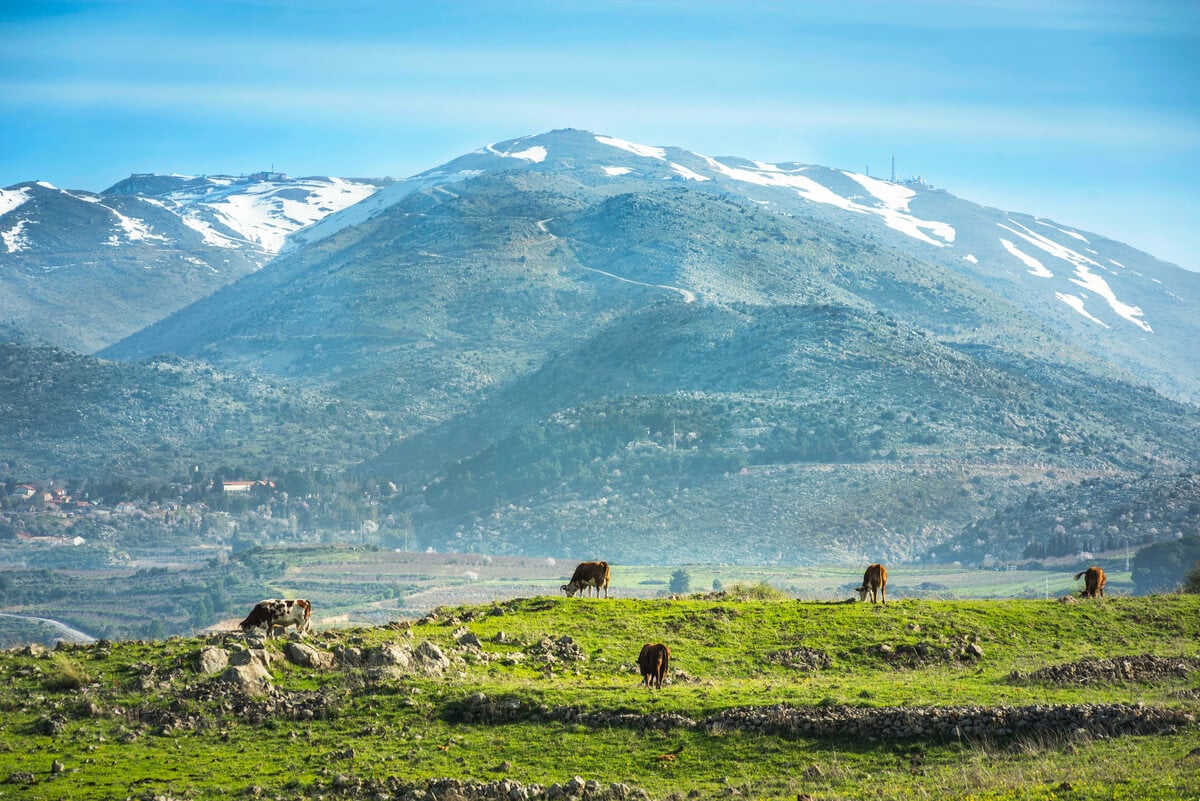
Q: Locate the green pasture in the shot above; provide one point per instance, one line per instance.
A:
(97, 711)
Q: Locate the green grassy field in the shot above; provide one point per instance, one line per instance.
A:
(135, 719)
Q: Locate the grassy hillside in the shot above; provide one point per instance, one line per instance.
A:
(949, 699)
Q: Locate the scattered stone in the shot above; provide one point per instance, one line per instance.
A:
(881, 723)
(468, 640)
(801, 658)
(50, 725)
(1144, 668)
(562, 649)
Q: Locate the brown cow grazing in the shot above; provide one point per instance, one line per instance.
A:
(1093, 582)
(588, 574)
(282, 612)
(654, 661)
(874, 580)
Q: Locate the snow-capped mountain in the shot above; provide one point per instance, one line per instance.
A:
(578, 344)
(82, 269)
(261, 209)
(1119, 302)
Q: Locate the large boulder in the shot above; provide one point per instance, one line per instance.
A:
(251, 678)
(305, 655)
(430, 659)
(247, 656)
(211, 660)
(388, 661)
(389, 654)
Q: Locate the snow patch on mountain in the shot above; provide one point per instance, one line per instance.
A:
(210, 234)
(1072, 234)
(1035, 266)
(15, 239)
(688, 174)
(372, 205)
(1076, 303)
(1084, 276)
(536, 154)
(615, 171)
(638, 150)
(265, 212)
(135, 229)
(773, 176)
(1090, 281)
(893, 196)
(896, 214)
(12, 198)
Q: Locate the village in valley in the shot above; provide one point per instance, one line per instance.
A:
(118, 522)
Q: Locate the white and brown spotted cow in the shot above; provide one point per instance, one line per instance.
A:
(282, 612)
(874, 580)
(586, 575)
(1093, 582)
(654, 661)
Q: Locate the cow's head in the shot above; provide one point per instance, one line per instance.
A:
(570, 589)
(862, 592)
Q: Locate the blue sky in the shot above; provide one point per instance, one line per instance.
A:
(1085, 111)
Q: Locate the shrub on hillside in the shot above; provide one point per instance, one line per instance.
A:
(762, 591)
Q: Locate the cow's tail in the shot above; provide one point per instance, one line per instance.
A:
(666, 662)
(1080, 573)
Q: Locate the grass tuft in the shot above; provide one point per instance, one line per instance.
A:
(64, 675)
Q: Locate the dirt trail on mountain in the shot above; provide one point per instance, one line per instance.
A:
(688, 295)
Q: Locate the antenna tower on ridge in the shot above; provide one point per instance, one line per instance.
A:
(893, 168)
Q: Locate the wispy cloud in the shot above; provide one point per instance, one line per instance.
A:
(1097, 125)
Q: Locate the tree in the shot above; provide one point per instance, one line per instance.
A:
(1161, 567)
(1191, 580)
(681, 582)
